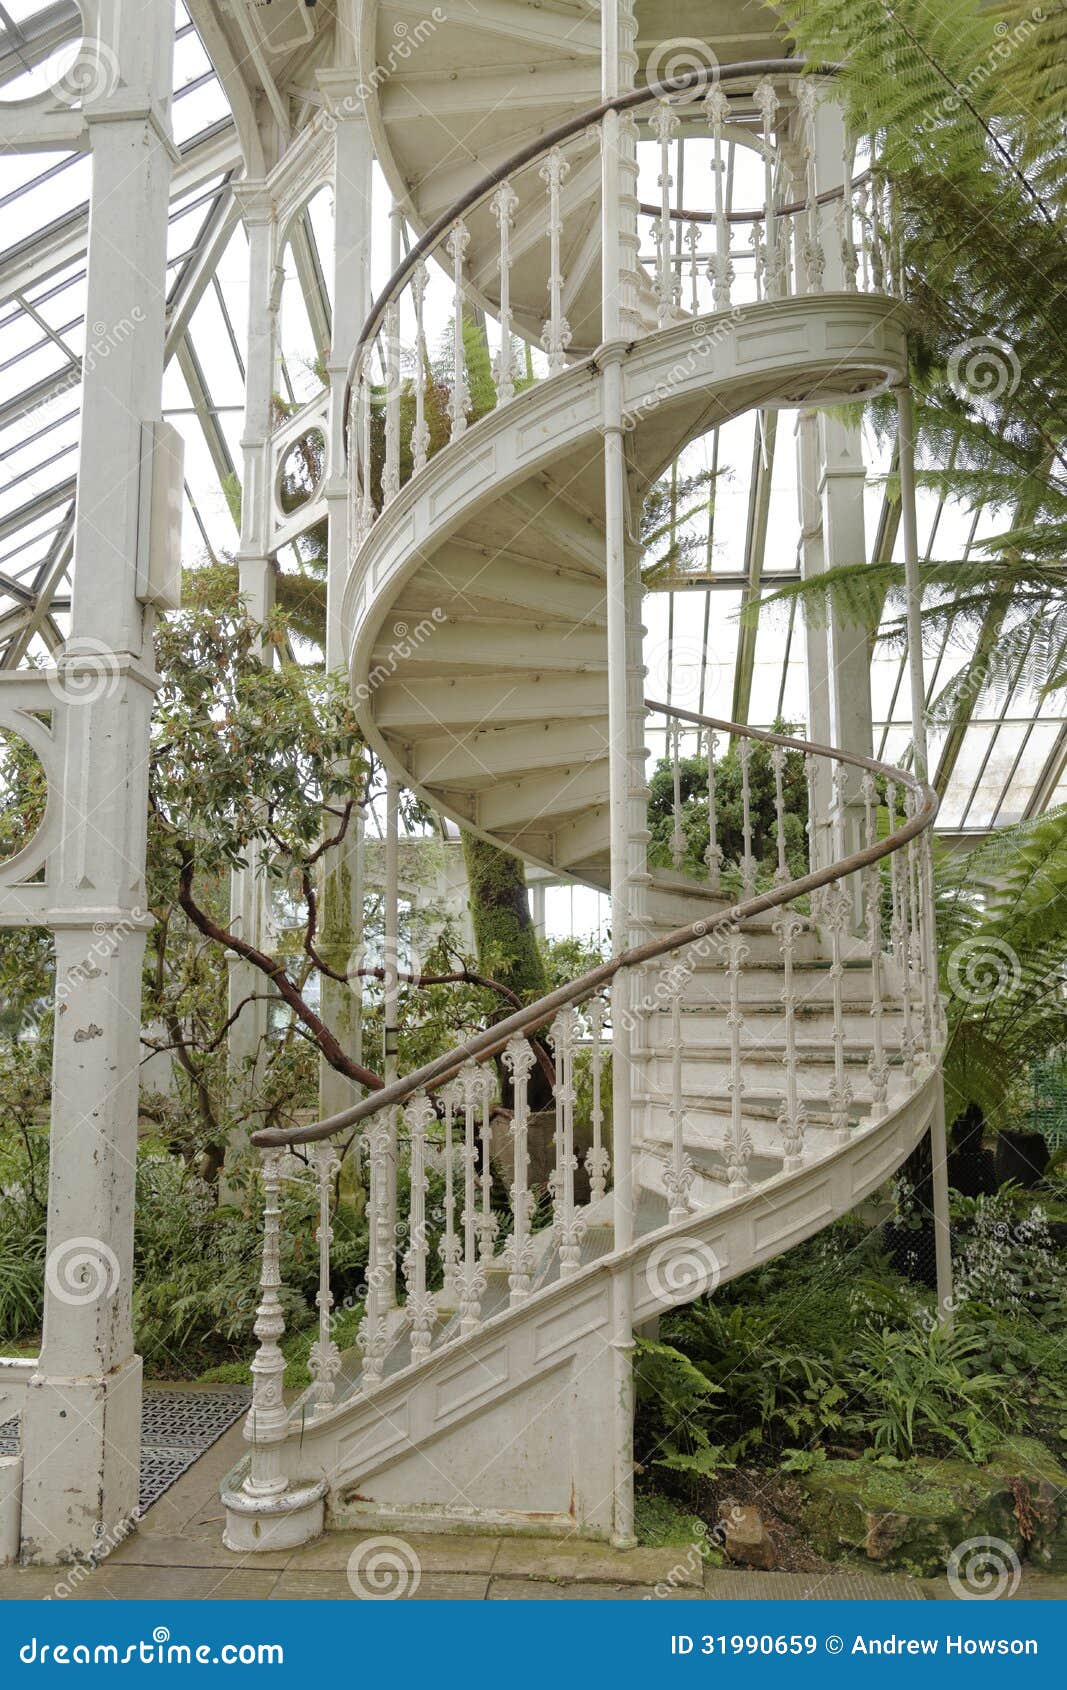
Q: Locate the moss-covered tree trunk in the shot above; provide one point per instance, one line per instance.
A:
(504, 932)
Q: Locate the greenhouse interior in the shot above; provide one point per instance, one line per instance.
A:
(533, 799)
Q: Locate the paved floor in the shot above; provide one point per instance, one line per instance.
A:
(178, 1553)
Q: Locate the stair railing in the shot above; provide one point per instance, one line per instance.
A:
(400, 409)
(873, 905)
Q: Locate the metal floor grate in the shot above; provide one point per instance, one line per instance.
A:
(176, 1428)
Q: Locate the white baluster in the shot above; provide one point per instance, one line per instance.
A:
(450, 1249)
(391, 470)
(420, 432)
(556, 332)
(916, 949)
(518, 1059)
(457, 244)
(714, 854)
(737, 1147)
(372, 1332)
(838, 909)
(877, 1066)
(473, 1279)
(811, 776)
(487, 1221)
(814, 259)
(268, 1418)
(792, 1116)
(781, 873)
(419, 1116)
(569, 1223)
(366, 508)
(721, 269)
(503, 204)
(896, 924)
(678, 1177)
(664, 125)
(865, 240)
(846, 230)
(597, 1161)
(766, 103)
(759, 261)
(677, 832)
(324, 1357)
(748, 861)
(692, 241)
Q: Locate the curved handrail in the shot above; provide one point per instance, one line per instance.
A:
(490, 1042)
(691, 83)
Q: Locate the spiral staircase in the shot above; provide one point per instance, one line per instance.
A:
(779, 1034)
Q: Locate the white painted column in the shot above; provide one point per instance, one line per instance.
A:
(255, 574)
(342, 885)
(921, 764)
(81, 1415)
(618, 62)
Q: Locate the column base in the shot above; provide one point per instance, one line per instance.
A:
(286, 1520)
(81, 1460)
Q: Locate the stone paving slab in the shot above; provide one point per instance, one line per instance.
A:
(152, 1549)
(723, 1584)
(334, 1587)
(576, 1559)
(436, 1553)
(545, 1590)
(175, 1584)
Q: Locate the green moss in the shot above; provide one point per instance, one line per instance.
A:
(503, 930)
(661, 1524)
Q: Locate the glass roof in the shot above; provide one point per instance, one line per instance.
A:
(1003, 762)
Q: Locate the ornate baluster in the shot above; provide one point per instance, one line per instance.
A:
(766, 102)
(556, 332)
(759, 261)
(518, 1252)
(268, 1419)
(324, 1357)
(472, 1279)
(781, 873)
(811, 776)
(916, 952)
(597, 1161)
(878, 253)
(737, 1146)
(862, 198)
(792, 1116)
(814, 258)
(420, 432)
(372, 1332)
(678, 1177)
(419, 1114)
(457, 244)
(896, 923)
(877, 1066)
(748, 862)
(677, 832)
(838, 907)
(692, 241)
(845, 216)
(503, 204)
(391, 470)
(714, 854)
(450, 1248)
(569, 1223)
(366, 506)
(721, 269)
(487, 1221)
(664, 125)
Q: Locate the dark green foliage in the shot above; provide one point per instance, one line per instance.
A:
(693, 772)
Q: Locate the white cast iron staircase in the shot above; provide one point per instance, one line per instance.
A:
(780, 1031)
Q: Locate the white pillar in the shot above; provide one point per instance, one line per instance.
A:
(81, 1415)
(341, 891)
